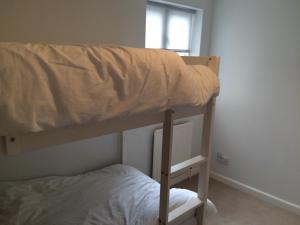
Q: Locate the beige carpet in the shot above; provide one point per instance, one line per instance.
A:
(238, 208)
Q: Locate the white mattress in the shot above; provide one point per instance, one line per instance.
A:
(46, 86)
(115, 195)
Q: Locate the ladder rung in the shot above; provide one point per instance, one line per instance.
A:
(183, 176)
(185, 166)
(184, 211)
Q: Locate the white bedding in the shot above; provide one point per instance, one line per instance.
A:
(115, 195)
(46, 86)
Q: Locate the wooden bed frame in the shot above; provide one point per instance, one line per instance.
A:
(169, 174)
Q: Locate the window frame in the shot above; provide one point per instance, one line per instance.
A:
(167, 8)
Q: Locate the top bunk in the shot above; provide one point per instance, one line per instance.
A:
(53, 94)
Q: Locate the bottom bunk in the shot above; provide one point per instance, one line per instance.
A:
(116, 195)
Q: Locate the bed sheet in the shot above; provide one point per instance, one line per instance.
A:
(115, 195)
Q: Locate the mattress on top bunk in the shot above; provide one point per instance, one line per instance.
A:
(115, 195)
(45, 86)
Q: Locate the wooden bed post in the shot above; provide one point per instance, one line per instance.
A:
(203, 177)
(166, 167)
(206, 148)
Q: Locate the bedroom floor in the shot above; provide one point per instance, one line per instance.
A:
(238, 208)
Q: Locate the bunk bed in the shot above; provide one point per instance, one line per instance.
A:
(46, 94)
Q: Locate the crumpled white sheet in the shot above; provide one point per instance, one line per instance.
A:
(46, 86)
(115, 195)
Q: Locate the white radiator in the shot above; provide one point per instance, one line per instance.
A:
(182, 147)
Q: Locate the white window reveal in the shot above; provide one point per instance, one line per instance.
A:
(174, 28)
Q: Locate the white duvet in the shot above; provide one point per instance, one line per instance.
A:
(115, 195)
(46, 86)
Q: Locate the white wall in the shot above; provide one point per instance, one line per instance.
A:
(73, 21)
(72, 158)
(258, 111)
(70, 21)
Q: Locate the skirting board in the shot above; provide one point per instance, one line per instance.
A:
(257, 193)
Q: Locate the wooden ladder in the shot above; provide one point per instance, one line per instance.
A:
(199, 204)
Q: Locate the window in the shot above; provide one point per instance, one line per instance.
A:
(170, 27)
